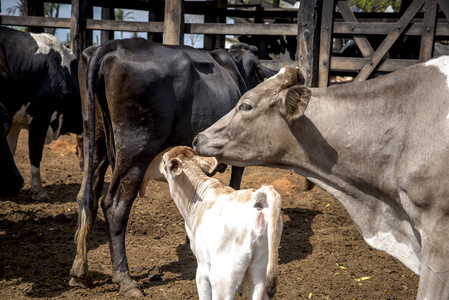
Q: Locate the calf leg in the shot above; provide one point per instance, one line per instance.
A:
(226, 276)
(203, 283)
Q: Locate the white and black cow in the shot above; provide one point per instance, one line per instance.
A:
(150, 97)
(41, 95)
(380, 147)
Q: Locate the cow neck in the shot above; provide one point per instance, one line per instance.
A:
(339, 128)
(194, 188)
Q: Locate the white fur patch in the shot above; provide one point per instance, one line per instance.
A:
(46, 42)
(275, 75)
(386, 241)
(53, 135)
(442, 63)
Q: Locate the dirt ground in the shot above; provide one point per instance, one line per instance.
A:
(322, 255)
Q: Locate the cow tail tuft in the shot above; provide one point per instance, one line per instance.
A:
(81, 235)
(275, 225)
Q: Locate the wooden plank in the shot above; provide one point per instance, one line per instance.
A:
(389, 40)
(325, 42)
(156, 14)
(174, 22)
(125, 25)
(308, 42)
(242, 29)
(36, 9)
(442, 28)
(107, 13)
(356, 63)
(444, 4)
(428, 31)
(361, 41)
(36, 21)
(277, 65)
(78, 27)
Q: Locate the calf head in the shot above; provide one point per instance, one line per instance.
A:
(175, 161)
(257, 130)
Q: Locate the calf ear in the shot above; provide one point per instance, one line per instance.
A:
(175, 166)
(208, 164)
(294, 101)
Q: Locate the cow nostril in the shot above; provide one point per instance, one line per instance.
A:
(195, 143)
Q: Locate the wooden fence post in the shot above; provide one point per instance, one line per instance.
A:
(308, 40)
(107, 13)
(35, 8)
(327, 21)
(174, 22)
(428, 31)
(78, 34)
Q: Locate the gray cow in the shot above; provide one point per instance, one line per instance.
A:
(380, 147)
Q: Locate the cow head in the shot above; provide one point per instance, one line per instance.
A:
(250, 68)
(256, 131)
(178, 158)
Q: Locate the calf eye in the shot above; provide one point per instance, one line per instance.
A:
(245, 107)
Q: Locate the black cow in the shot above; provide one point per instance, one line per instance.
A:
(42, 95)
(10, 177)
(151, 97)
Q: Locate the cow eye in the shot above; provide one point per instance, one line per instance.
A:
(245, 107)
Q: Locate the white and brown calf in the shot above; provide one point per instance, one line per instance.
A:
(234, 235)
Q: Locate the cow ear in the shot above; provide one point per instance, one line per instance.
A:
(175, 166)
(208, 164)
(294, 101)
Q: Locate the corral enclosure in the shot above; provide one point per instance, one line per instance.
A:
(322, 255)
(415, 31)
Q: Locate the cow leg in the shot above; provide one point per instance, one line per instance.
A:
(256, 280)
(225, 278)
(36, 139)
(434, 280)
(13, 137)
(203, 283)
(88, 209)
(236, 177)
(116, 206)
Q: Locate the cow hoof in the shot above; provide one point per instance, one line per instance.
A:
(39, 197)
(133, 292)
(81, 282)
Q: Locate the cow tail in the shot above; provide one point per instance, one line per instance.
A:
(274, 238)
(85, 216)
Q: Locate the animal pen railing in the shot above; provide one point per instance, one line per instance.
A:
(384, 40)
(320, 25)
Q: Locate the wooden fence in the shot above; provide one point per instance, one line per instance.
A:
(320, 23)
(421, 21)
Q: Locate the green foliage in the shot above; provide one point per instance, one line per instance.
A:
(374, 5)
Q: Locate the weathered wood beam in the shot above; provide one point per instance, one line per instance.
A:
(356, 63)
(389, 40)
(174, 22)
(325, 42)
(107, 13)
(308, 40)
(428, 31)
(36, 9)
(78, 34)
(125, 25)
(361, 41)
(242, 29)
